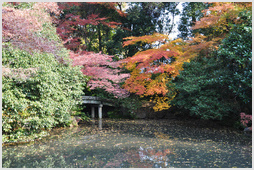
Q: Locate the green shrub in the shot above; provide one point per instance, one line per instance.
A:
(40, 87)
(38, 92)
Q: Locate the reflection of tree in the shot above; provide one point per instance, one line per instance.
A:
(158, 157)
(141, 158)
(130, 158)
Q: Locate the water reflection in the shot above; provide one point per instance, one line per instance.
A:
(160, 158)
(132, 143)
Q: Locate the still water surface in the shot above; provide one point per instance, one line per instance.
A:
(134, 143)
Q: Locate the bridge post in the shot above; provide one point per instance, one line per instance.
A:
(100, 111)
(100, 124)
(92, 112)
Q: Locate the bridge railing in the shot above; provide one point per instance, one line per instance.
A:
(96, 100)
(91, 98)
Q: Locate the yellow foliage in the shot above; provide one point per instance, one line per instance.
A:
(150, 77)
(161, 103)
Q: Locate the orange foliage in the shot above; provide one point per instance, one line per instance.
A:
(220, 14)
(218, 17)
(154, 68)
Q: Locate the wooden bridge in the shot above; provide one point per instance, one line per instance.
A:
(96, 101)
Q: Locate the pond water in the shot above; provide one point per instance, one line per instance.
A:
(134, 143)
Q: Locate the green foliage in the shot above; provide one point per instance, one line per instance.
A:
(77, 110)
(32, 102)
(200, 90)
(113, 114)
(126, 107)
(130, 105)
(84, 116)
(236, 53)
(114, 45)
(40, 86)
(219, 87)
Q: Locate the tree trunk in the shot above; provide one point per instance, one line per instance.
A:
(99, 36)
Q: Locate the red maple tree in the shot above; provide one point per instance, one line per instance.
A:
(152, 69)
(72, 23)
(103, 72)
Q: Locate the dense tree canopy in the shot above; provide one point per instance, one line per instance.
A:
(54, 52)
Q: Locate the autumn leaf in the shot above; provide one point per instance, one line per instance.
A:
(152, 69)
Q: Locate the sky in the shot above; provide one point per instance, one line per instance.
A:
(175, 31)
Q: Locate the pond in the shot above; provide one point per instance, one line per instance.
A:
(134, 143)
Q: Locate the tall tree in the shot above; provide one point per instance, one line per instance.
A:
(152, 69)
(86, 26)
(191, 12)
(146, 18)
(219, 86)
